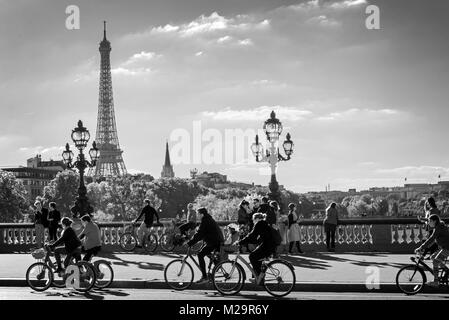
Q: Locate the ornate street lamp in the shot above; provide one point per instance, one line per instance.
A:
(80, 137)
(273, 129)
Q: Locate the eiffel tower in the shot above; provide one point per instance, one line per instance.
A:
(110, 162)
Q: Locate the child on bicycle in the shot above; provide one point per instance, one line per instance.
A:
(440, 236)
(71, 245)
(266, 247)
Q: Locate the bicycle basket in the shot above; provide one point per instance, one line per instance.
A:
(38, 254)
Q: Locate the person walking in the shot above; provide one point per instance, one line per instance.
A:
(243, 219)
(39, 224)
(293, 234)
(54, 217)
(430, 208)
(191, 220)
(282, 220)
(266, 209)
(330, 226)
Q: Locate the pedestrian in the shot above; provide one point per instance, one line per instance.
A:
(271, 213)
(330, 226)
(293, 234)
(243, 219)
(255, 209)
(54, 217)
(283, 227)
(38, 224)
(265, 208)
(430, 208)
(191, 220)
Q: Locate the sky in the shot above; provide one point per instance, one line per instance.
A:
(364, 107)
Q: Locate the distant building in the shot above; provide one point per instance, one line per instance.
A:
(37, 174)
(167, 168)
(212, 180)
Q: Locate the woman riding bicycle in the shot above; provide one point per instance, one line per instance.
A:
(440, 236)
(71, 245)
(267, 246)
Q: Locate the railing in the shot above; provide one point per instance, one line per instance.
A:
(353, 235)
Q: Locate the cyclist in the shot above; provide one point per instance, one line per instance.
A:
(211, 234)
(71, 245)
(191, 220)
(267, 246)
(147, 222)
(91, 237)
(440, 236)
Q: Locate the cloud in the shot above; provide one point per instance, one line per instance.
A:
(211, 24)
(324, 21)
(416, 171)
(257, 114)
(347, 4)
(361, 114)
(130, 72)
(246, 42)
(50, 151)
(199, 53)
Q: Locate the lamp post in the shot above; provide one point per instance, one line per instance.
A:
(273, 130)
(80, 136)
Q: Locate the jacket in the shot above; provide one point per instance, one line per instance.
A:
(440, 235)
(208, 231)
(92, 236)
(331, 216)
(243, 217)
(55, 215)
(149, 213)
(261, 233)
(269, 211)
(69, 239)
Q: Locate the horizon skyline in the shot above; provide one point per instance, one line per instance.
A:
(364, 107)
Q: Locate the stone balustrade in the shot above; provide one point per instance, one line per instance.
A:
(400, 235)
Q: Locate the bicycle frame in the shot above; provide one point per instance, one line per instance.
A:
(189, 255)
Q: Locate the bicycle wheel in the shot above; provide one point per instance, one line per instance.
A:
(178, 274)
(39, 276)
(410, 279)
(104, 274)
(228, 277)
(166, 242)
(127, 241)
(150, 244)
(59, 280)
(87, 276)
(280, 278)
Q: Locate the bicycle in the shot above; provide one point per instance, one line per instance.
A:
(104, 274)
(178, 274)
(173, 238)
(41, 275)
(278, 276)
(411, 278)
(129, 240)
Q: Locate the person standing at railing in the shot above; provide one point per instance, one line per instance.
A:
(54, 217)
(40, 215)
(191, 220)
(430, 208)
(149, 212)
(293, 233)
(330, 226)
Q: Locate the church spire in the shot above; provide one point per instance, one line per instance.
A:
(167, 168)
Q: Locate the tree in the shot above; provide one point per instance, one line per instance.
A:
(219, 208)
(14, 203)
(63, 190)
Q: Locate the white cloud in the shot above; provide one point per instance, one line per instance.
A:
(347, 4)
(199, 53)
(246, 42)
(361, 114)
(257, 114)
(224, 39)
(130, 72)
(324, 21)
(416, 171)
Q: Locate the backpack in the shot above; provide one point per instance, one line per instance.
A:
(277, 238)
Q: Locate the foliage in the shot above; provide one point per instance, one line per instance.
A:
(13, 198)
(62, 190)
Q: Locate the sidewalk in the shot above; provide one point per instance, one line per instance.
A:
(319, 272)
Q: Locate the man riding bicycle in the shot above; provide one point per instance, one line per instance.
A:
(267, 246)
(147, 222)
(91, 237)
(440, 236)
(71, 245)
(211, 234)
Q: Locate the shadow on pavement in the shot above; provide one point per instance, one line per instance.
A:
(303, 262)
(141, 265)
(330, 257)
(91, 295)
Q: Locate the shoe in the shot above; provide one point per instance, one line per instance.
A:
(202, 281)
(433, 284)
(139, 246)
